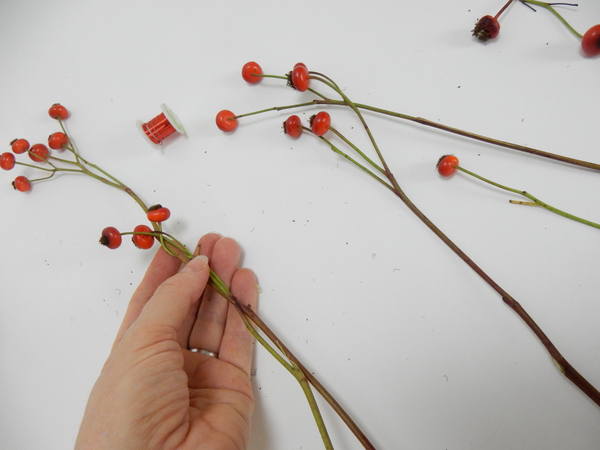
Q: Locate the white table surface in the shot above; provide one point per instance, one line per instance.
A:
(418, 349)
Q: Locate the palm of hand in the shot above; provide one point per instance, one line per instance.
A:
(153, 393)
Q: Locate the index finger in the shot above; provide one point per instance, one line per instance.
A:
(162, 267)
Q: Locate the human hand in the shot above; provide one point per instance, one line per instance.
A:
(153, 393)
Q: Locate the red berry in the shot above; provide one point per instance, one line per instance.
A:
(58, 140)
(58, 111)
(590, 43)
(249, 72)
(19, 146)
(143, 241)
(447, 165)
(292, 126)
(488, 27)
(226, 121)
(21, 184)
(158, 213)
(111, 238)
(39, 152)
(7, 161)
(300, 79)
(320, 123)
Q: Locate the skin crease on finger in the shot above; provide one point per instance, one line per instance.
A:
(153, 392)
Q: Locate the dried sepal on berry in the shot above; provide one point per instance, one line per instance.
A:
(111, 238)
(486, 28)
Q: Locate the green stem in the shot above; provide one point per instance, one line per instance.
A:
(43, 178)
(356, 149)
(70, 147)
(314, 407)
(356, 163)
(281, 77)
(549, 7)
(535, 200)
(349, 103)
(275, 108)
(44, 168)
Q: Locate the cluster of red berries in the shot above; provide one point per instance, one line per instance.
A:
(298, 79)
(37, 152)
(143, 236)
(488, 27)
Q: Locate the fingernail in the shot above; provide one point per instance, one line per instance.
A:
(198, 264)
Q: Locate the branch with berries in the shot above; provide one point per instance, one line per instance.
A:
(321, 126)
(488, 27)
(144, 237)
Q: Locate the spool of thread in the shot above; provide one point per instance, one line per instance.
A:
(161, 127)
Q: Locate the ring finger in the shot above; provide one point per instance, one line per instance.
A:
(207, 331)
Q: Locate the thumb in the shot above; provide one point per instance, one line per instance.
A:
(172, 300)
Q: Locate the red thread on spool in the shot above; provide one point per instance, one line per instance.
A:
(161, 127)
(158, 128)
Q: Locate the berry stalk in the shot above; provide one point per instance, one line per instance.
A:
(534, 200)
(503, 9)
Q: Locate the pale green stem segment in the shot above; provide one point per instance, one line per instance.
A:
(534, 200)
(314, 407)
(329, 82)
(356, 149)
(356, 163)
(549, 7)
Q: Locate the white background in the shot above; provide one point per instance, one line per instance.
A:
(416, 346)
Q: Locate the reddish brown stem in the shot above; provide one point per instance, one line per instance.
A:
(520, 148)
(468, 134)
(566, 368)
(503, 8)
(310, 377)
